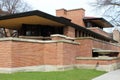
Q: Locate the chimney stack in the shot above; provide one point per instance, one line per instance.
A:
(76, 15)
(116, 35)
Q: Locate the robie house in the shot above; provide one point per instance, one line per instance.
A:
(37, 41)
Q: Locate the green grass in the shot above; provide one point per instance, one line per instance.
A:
(76, 74)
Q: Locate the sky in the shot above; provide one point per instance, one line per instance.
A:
(49, 6)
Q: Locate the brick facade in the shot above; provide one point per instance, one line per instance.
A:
(60, 51)
(100, 31)
(22, 53)
(86, 50)
(86, 47)
(5, 54)
(69, 31)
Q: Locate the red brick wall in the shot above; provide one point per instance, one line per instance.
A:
(87, 44)
(5, 54)
(60, 53)
(69, 53)
(85, 47)
(76, 15)
(99, 31)
(69, 31)
(104, 45)
(97, 61)
(51, 55)
(27, 54)
(21, 54)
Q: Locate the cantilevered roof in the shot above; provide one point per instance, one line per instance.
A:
(31, 17)
(100, 21)
(37, 17)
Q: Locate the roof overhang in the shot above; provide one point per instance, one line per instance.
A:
(32, 17)
(100, 21)
(17, 22)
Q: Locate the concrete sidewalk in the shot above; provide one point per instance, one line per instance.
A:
(113, 75)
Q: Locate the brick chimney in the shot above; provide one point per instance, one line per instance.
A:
(116, 35)
(76, 15)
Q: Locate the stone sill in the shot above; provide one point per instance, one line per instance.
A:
(37, 41)
(97, 58)
(62, 36)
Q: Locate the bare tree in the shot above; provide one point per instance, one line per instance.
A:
(14, 6)
(111, 10)
(11, 7)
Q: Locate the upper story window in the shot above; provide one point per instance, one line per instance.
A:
(88, 24)
(92, 24)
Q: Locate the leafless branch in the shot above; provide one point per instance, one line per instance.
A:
(112, 9)
(14, 6)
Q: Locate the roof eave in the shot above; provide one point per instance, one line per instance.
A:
(110, 25)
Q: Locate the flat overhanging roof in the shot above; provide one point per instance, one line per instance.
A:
(17, 22)
(100, 21)
(32, 17)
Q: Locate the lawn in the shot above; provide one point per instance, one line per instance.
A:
(76, 74)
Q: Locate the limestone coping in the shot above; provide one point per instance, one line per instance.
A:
(97, 58)
(62, 36)
(58, 35)
(37, 41)
(101, 51)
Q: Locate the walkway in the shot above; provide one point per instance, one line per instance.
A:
(113, 75)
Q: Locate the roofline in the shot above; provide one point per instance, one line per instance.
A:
(61, 20)
(89, 31)
(98, 19)
(37, 13)
(71, 9)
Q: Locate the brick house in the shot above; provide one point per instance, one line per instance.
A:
(37, 41)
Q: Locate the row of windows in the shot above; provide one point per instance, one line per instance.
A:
(91, 24)
(79, 33)
(45, 31)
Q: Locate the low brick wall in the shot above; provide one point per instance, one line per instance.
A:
(104, 64)
(88, 44)
(17, 53)
(99, 31)
(105, 45)
(5, 54)
(60, 53)
(85, 59)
